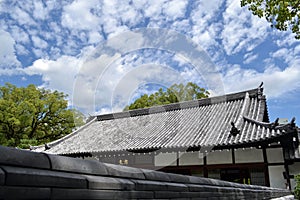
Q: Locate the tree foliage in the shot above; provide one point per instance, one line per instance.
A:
(297, 187)
(282, 15)
(173, 94)
(32, 116)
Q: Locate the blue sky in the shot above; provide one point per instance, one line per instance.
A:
(66, 46)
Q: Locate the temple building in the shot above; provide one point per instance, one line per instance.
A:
(227, 137)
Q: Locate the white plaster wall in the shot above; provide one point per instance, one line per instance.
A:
(274, 155)
(219, 157)
(248, 155)
(165, 159)
(191, 158)
(143, 159)
(294, 169)
(276, 176)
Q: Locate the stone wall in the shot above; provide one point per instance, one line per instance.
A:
(29, 175)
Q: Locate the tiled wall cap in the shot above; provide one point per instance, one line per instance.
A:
(25, 158)
(2, 177)
(124, 171)
(78, 165)
(156, 175)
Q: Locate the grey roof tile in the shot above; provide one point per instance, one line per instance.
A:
(198, 123)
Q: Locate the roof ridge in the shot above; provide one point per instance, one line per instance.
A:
(182, 105)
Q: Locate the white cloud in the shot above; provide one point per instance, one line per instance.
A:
(175, 9)
(1, 5)
(40, 11)
(78, 15)
(22, 17)
(19, 34)
(249, 57)
(21, 49)
(205, 28)
(242, 30)
(153, 8)
(206, 12)
(280, 53)
(94, 37)
(277, 82)
(285, 39)
(39, 42)
(104, 110)
(8, 57)
(57, 74)
(220, 27)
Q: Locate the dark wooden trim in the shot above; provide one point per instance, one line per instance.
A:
(266, 168)
(205, 171)
(274, 146)
(181, 167)
(267, 175)
(233, 156)
(239, 165)
(265, 155)
(287, 171)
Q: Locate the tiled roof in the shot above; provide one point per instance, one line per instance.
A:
(223, 121)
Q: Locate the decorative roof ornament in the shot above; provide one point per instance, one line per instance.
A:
(293, 124)
(275, 123)
(234, 131)
(47, 147)
(288, 127)
(260, 91)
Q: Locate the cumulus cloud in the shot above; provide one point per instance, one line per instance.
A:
(40, 11)
(7, 51)
(22, 17)
(38, 42)
(19, 34)
(78, 15)
(277, 80)
(175, 9)
(242, 30)
(56, 74)
(57, 35)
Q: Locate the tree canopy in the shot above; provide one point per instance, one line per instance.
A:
(173, 94)
(33, 116)
(282, 15)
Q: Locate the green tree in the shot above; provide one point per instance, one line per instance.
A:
(282, 15)
(297, 187)
(33, 116)
(173, 94)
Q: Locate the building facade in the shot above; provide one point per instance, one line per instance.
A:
(227, 137)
